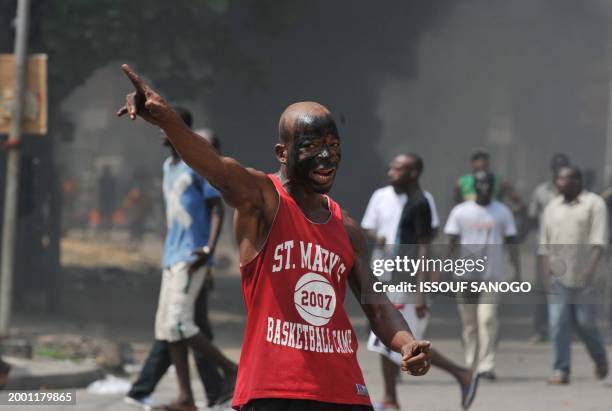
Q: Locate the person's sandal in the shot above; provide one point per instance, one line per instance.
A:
(559, 378)
(487, 375)
(468, 391)
(601, 370)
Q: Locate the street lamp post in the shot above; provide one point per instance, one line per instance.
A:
(9, 226)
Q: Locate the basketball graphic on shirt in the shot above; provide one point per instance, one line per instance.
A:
(315, 299)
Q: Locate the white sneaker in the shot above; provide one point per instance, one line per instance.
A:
(146, 403)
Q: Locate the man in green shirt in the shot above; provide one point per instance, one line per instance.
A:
(502, 190)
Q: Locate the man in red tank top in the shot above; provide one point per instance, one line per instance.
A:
(298, 250)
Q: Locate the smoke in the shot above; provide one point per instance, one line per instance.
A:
(525, 78)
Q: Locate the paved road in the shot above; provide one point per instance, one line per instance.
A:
(522, 370)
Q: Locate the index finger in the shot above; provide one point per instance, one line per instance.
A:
(139, 85)
(424, 345)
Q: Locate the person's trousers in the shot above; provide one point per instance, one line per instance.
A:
(571, 308)
(480, 327)
(159, 360)
(176, 308)
(540, 312)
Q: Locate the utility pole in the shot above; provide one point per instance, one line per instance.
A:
(9, 226)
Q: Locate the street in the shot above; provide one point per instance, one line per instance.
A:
(522, 372)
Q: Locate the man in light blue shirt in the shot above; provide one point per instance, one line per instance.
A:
(189, 201)
(194, 215)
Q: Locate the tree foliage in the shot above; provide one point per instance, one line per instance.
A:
(183, 44)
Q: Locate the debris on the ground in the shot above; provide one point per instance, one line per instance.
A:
(110, 355)
(110, 385)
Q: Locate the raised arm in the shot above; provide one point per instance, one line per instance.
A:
(241, 188)
(385, 320)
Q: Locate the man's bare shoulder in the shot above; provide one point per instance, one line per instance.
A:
(266, 201)
(260, 176)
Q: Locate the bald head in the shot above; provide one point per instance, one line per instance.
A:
(309, 146)
(404, 170)
(305, 118)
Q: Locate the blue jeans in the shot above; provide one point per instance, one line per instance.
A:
(569, 308)
(540, 313)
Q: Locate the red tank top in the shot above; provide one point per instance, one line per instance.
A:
(298, 342)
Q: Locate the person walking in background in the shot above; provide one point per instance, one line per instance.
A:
(70, 217)
(573, 235)
(138, 205)
(194, 214)
(402, 213)
(607, 197)
(107, 192)
(543, 194)
(503, 191)
(481, 226)
(382, 216)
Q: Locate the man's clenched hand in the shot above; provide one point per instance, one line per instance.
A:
(416, 357)
(146, 103)
(201, 258)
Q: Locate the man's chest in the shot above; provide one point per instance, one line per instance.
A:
(478, 221)
(389, 212)
(570, 222)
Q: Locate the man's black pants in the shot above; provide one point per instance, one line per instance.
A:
(159, 361)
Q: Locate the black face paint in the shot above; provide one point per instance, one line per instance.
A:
(324, 153)
(314, 126)
(308, 131)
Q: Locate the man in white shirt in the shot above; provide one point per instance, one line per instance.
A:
(384, 220)
(385, 209)
(482, 226)
(573, 237)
